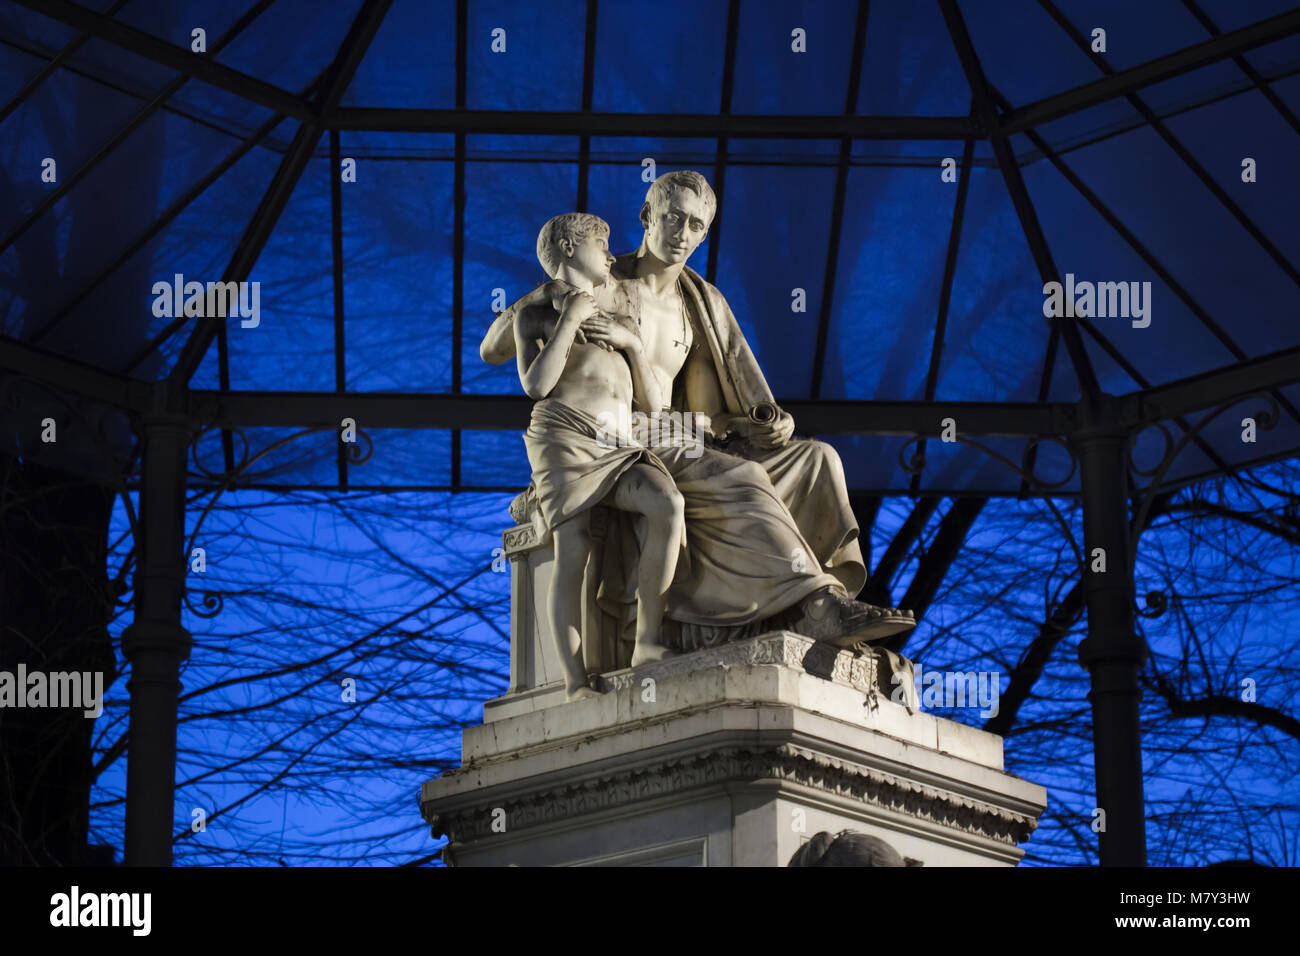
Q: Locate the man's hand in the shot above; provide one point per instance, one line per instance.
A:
(777, 433)
(773, 434)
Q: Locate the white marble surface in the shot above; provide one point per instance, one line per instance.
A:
(741, 755)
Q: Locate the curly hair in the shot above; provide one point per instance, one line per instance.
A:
(574, 226)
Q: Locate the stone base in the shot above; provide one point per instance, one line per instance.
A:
(733, 756)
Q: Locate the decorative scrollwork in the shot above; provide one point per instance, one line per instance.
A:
(1157, 604)
(915, 464)
(358, 454)
(1266, 418)
(241, 464)
(1137, 469)
(213, 602)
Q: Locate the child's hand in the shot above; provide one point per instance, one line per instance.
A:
(577, 307)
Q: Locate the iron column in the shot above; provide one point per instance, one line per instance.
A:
(156, 644)
(1113, 653)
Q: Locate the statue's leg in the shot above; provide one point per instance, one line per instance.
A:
(648, 491)
(572, 542)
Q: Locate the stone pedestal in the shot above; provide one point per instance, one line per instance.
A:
(733, 756)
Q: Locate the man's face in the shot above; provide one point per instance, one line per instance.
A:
(675, 229)
(591, 259)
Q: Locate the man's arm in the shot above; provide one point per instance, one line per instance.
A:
(540, 369)
(498, 345)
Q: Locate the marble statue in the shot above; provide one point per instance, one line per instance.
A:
(768, 531)
(579, 385)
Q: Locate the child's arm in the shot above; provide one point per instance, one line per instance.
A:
(646, 392)
(540, 365)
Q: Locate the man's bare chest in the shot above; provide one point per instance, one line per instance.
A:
(666, 332)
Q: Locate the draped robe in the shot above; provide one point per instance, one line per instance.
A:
(765, 527)
(806, 474)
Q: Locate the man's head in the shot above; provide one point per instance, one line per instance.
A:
(579, 241)
(678, 209)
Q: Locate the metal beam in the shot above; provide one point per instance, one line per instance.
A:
(165, 218)
(251, 243)
(458, 228)
(155, 103)
(945, 292)
(1137, 246)
(166, 54)
(1209, 389)
(838, 200)
(336, 255)
(1174, 143)
(719, 183)
(1007, 419)
(1120, 127)
(879, 590)
(853, 491)
(48, 70)
(1112, 652)
(1157, 70)
(392, 410)
(588, 87)
(286, 177)
(676, 125)
(370, 409)
(126, 86)
(1015, 184)
(75, 378)
(1259, 82)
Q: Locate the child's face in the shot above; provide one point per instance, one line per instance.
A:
(591, 259)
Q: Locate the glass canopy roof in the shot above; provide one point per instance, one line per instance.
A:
(915, 287)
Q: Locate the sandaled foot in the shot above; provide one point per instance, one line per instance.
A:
(832, 617)
(646, 653)
(581, 692)
(888, 622)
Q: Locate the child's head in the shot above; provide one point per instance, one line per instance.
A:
(578, 240)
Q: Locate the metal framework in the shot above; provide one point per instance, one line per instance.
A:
(1098, 429)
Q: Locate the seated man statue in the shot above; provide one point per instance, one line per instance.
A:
(770, 533)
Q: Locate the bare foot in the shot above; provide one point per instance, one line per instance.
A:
(581, 692)
(645, 653)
